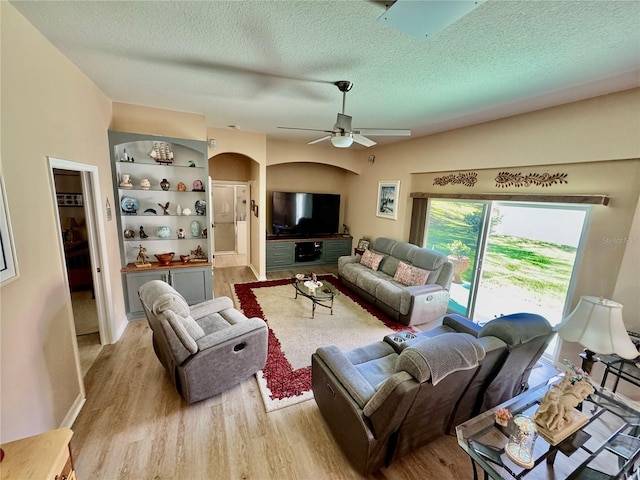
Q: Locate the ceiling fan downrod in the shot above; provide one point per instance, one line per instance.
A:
(344, 86)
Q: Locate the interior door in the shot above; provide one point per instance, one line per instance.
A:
(223, 216)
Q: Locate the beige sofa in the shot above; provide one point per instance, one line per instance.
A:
(410, 305)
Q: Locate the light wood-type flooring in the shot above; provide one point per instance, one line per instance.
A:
(134, 425)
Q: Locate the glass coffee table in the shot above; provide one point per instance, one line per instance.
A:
(606, 447)
(320, 293)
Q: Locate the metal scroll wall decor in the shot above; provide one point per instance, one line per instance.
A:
(506, 179)
(467, 179)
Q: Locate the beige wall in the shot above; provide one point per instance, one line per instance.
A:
(230, 167)
(254, 146)
(49, 108)
(154, 121)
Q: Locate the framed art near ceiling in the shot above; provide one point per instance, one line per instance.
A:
(388, 195)
(8, 263)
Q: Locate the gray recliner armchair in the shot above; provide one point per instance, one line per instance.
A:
(376, 400)
(206, 348)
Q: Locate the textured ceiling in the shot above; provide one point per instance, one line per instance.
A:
(263, 64)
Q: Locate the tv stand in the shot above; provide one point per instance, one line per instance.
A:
(293, 253)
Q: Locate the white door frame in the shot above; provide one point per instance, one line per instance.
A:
(231, 183)
(97, 246)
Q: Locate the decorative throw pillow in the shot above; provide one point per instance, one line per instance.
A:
(410, 276)
(371, 260)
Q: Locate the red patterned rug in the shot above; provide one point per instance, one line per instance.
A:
(294, 335)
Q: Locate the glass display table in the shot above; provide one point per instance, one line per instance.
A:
(621, 369)
(320, 293)
(606, 447)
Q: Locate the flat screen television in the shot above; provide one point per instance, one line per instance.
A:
(305, 214)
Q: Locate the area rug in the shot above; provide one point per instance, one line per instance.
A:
(294, 335)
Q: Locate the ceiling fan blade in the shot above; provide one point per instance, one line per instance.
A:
(321, 139)
(363, 140)
(307, 129)
(391, 132)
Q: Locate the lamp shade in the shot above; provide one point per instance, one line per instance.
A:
(597, 325)
(342, 140)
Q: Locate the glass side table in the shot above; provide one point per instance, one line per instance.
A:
(606, 447)
(621, 369)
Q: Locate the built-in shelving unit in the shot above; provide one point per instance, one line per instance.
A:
(142, 222)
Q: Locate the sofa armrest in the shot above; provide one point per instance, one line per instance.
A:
(347, 374)
(208, 307)
(230, 333)
(344, 260)
(461, 324)
(390, 404)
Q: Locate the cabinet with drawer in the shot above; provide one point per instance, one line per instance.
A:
(42, 457)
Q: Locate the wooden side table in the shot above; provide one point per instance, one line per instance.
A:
(46, 456)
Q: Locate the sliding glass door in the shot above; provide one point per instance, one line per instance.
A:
(521, 255)
(455, 228)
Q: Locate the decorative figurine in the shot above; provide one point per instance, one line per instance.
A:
(129, 234)
(145, 184)
(200, 207)
(186, 212)
(142, 232)
(199, 255)
(161, 153)
(126, 181)
(179, 210)
(182, 187)
(142, 257)
(198, 186)
(165, 208)
(204, 233)
(165, 184)
(181, 233)
(192, 163)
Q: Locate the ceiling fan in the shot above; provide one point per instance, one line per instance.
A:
(343, 135)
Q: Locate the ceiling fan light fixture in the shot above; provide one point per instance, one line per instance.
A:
(342, 140)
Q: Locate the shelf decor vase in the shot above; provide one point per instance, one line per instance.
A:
(165, 184)
(145, 184)
(195, 229)
(163, 232)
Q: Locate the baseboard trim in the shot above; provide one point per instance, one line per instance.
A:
(256, 274)
(73, 412)
(121, 329)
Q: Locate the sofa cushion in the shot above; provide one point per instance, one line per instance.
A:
(371, 260)
(178, 324)
(389, 265)
(410, 276)
(383, 245)
(393, 295)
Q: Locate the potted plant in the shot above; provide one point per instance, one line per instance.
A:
(459, 258)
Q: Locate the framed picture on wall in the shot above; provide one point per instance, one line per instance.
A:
(8, 261)
(388, 195)
(70, 199)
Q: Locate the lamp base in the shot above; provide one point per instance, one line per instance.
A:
(588, 359)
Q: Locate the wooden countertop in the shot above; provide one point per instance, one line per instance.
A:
(39, 457)
(131, 267)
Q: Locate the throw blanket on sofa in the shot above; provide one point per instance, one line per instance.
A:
(459, 351)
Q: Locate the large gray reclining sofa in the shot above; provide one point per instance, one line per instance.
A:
(386, 399)
(410, 305)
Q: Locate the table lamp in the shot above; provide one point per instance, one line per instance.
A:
(596, 324)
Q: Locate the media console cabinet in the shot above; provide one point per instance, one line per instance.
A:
(292, 253)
